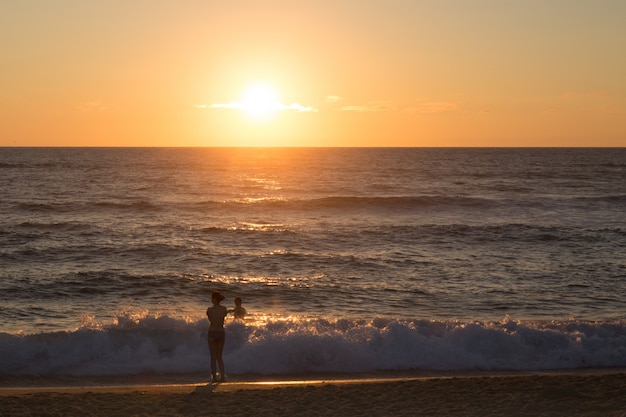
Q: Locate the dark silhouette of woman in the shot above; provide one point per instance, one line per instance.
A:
(216, 314)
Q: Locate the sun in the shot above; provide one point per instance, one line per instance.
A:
(260, 102)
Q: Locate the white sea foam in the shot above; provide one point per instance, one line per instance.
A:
(293, 346)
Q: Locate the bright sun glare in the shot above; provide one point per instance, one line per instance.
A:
(261, 102)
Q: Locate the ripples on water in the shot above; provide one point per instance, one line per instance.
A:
(348, 260)
(343, 233)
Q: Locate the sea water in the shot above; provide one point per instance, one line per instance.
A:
(347, 259)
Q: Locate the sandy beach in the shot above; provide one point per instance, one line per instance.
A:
(571, 394)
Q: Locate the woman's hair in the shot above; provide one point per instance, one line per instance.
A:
(218, 296)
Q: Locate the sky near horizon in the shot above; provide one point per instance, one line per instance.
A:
(313, 73)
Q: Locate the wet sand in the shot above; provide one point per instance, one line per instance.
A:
(566, 394)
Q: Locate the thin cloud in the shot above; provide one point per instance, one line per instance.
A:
(380, 106)
(234, 105)
(237, 105)
(299, 108)
(332, 99)
(385, 106)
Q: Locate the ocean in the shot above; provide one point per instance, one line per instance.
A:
(348, 260)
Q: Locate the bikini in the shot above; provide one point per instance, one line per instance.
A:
(217, 335)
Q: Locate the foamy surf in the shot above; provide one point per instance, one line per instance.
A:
(290, 346)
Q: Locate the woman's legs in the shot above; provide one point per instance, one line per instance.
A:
(213, 350)
(219, 349)
(216, 347)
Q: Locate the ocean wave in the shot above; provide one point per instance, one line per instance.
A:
(127, 205)
(374, 204)
(9, 165)
(408, 234)
(59, 207)
(504, 232)
(45, 207)
(162, 344)
(348, 203)
(410, 202)
(54, 226)
(612, 199)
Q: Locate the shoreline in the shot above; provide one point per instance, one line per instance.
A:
(181, 382)
(579, 393)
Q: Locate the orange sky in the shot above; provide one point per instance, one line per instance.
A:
(346, 72)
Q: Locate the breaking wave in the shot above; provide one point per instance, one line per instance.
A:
(166, 345)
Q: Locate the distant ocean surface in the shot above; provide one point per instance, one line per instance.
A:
(347, 259)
